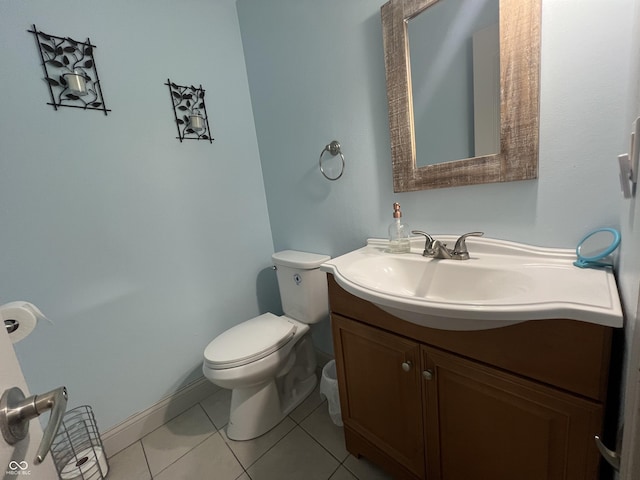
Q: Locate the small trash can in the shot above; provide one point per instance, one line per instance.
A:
(77, 449)
(329, 388)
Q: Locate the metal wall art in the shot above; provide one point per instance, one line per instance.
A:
(190, 112)
(70, 72)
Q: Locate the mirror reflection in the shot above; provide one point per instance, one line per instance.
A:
(487, 130)
(599, 244)
(455, 75)
(596, 245)
(595, 248)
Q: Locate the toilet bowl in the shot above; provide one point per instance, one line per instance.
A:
(269, 361)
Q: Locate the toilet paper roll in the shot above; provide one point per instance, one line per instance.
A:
(20, 319)
(89, 464)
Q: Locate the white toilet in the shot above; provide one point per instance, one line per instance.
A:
(268, 361)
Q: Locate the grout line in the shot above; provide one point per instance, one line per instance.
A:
(294, 424)
(269, 449)
(225, 438)
(245, 469)
(340, 462)
(326, 450)
(211, 419)
(308, 414)
(188, 452)
(334, 472)
(192, 448)
(145, 459)
(318, 441)
(205, 410)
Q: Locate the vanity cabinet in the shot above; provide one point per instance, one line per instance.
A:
(485, 423)
(383, 394)
(518, 402)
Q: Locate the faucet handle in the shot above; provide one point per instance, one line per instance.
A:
(460, 249)
(428, 246)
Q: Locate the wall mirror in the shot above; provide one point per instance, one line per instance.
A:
(512, 153)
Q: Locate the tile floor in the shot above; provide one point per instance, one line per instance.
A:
(306, 445)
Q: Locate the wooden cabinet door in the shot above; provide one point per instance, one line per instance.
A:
(380, 392)
(483, 423)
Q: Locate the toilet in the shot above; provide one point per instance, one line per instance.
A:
(268, 362)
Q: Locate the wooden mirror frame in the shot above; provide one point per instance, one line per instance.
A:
(519, 101)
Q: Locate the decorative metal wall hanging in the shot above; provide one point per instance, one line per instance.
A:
(70, 72)
(190, 112)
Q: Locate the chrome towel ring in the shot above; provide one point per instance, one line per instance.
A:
(334, 149)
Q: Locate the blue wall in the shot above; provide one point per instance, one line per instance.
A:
(140, 249)
(316, 73)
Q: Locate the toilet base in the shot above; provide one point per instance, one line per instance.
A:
(302, 391)
(256, 410)
(257, 403)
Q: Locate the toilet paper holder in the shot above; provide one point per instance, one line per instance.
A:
(77, 450)
(11, 325)
(20, 319)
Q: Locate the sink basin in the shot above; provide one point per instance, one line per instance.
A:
(502, 283)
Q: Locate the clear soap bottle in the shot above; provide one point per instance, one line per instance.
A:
(398, 233)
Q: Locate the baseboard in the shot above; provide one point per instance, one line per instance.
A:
(137, 426)
(142, 423)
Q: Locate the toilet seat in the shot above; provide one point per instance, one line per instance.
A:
(249, 341)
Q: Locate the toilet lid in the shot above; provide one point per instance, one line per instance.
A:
(249, 341)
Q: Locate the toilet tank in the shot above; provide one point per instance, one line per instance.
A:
(303, 286)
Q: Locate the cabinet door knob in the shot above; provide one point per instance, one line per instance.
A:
(428, 375)
(406, 366)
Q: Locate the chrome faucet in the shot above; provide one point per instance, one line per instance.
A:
(437, 249)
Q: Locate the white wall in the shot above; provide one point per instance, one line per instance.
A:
(140, 248)
(629, 280)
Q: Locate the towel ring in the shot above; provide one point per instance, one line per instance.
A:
(334, 149)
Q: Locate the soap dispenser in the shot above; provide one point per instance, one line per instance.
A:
(398, 233)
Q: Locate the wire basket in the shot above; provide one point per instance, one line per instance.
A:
(77, 449)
